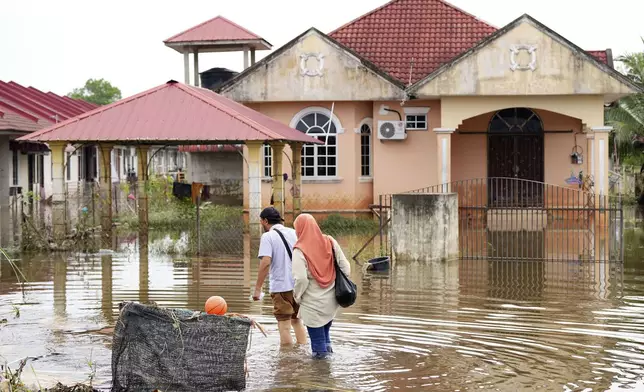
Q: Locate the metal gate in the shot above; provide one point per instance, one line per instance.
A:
(568, 224)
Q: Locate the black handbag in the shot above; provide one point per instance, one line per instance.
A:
(346, 291)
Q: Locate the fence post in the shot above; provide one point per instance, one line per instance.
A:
(380, 222)
(198, 225)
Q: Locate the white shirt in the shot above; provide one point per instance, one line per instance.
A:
(271, 245)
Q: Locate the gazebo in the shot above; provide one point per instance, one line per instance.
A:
(171, 114)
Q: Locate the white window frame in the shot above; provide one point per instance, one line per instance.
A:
(267, 153)
(418, 113)
(339, 130)
(368, 122)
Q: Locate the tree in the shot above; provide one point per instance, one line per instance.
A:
(97, 91)
(627, 115)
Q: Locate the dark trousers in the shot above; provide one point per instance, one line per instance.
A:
(320, 339)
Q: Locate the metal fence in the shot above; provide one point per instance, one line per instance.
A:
(515, 219)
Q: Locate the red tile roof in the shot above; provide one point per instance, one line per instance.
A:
(213, 30)
(600, 55)
(172, 113)
(29, 109)
(431, 32)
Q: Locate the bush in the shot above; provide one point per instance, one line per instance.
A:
(336, 224)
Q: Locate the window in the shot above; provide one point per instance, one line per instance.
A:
(68, 166)
(14, 176)
(268, 161)
(365, 150)
(319, 160)
(416, 118)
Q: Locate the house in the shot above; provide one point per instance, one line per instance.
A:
(27, 166)
(419, 92)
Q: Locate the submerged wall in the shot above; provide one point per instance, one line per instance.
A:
(222, 171)
(424, 226)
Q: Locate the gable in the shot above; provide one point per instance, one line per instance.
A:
(525, 58)
(312, 67)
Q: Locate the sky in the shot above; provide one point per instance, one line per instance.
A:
(58, 45)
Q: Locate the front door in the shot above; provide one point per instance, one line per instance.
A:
(515, 159)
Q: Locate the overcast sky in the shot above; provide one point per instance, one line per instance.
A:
(57, 45)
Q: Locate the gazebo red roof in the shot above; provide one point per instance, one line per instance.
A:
(431, 32)
(172, 113)
(216, 32)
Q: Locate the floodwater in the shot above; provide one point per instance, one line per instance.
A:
(455, 326)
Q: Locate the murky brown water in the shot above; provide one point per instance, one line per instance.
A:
(462, 325)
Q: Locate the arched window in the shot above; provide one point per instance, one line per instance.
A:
(318, 160)
(515, 121)
(365, 150)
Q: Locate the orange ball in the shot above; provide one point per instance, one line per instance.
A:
(216, 305)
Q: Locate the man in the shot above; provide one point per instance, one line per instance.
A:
(275, 252)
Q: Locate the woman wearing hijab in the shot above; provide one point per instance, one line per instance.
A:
(314, 273)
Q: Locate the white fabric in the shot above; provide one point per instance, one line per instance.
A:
(271, 245)
(317, 305)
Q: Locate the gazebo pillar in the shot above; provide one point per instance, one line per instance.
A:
(278, 177)
(254, 186)
(142, 180)
(105, 173)
(297, 178)
(186, 66)
(196, 67)
(58, 188)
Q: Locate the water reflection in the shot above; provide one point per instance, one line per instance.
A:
(471, 324)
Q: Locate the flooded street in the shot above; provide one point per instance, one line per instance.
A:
(461, 325)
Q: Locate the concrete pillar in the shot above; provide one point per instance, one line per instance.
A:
(196, 67)
(433, 215)
(297, 178)
(601, 159)
(254, 186)
(142, 175)
(58, 189)
(245, 58)
(590, 155)
(252, 56)
(186, 66)
(443, 156)
(105, 175)
(278, 177)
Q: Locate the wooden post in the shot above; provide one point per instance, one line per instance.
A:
(198, 225)
(278, 177)
(297, 179)
(142, 175)
(105, 173)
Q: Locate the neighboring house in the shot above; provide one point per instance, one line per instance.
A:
(475, 102)
(26, 167)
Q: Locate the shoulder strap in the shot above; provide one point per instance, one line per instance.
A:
(288, 249)
(335, 259)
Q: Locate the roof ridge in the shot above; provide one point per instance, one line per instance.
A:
(19, 111)
(459, 9)
(240, 27)
(196, 92)
(391, 2)
(99, 109)
(224, 19)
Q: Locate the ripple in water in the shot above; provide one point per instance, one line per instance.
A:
(460, 325)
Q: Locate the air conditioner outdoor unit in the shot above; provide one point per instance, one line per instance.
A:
(391, 130)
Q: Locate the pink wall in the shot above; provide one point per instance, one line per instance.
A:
(401, 166)
(346, 192)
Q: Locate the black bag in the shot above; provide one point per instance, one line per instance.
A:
(346, 291)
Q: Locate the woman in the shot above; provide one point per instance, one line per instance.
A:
(314, 273)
